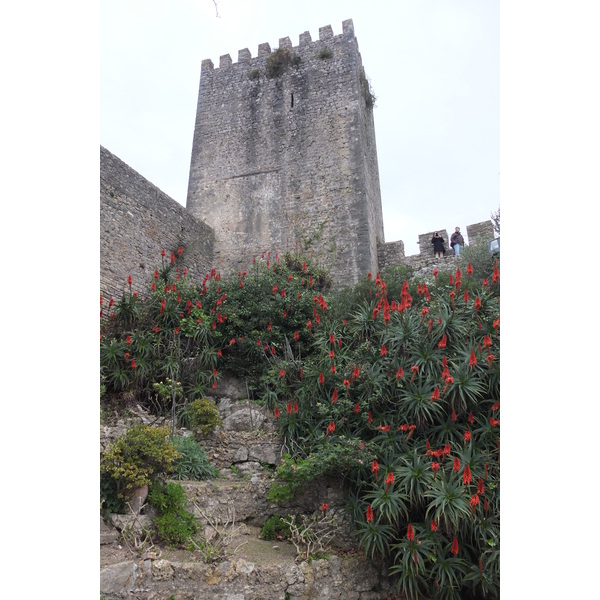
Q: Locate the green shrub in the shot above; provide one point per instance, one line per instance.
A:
(193, 462)
(278, 61)
(325, 53)
(253, 74)
(275, 526)
(203, 415)
(138, 457)
(174, 523)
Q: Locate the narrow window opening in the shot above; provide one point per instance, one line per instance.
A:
(292, 100)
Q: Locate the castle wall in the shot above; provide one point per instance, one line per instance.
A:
(392, 253)
(291, 159)
(137, 221)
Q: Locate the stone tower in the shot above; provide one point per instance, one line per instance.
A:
(284, 155)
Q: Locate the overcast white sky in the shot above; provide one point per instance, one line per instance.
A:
(434, 66)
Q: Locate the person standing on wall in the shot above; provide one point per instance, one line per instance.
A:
(457, 241)
(438, 245)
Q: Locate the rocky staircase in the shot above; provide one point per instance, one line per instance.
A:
(232, 509)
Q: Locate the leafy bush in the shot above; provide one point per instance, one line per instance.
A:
(138, 457)
(203, 415)
(174, 523)
(193, 462)
(275, 526)
(325, 53)
(278, 61)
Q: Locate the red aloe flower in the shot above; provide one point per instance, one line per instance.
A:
(490, 359)
(453, 416)
(375, 468)
(469, 270)
(474, 501)
(410, 534)
(433, 525)
(467, 475)
(289, 408)
(128, 340)
(383, 350)
(321, 378)
(471, 418)
(324, 507)
(276, 413)
(414, 370)
(334, 396)
(355, 373)
(443, 341)
(477, 304)
(370, 417)
(446, 450)
(480, 486)
(282, 373)
(472, 359)
(435, 466)
(388, 481)
(295, 408)
(436, 394)
(133, 365)
(466, 296)
(331, 427)
(369, 514)
(496, 273)
(456, 466)
(496, 323)
(356, 408)
(400, 373)
(172, 258)
(496, 405)
(467, 436)
(435, 273)
(454, 549)
(296, 336)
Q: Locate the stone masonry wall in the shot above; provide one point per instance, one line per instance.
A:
(137, 221)
(290, 159)
(392, 253)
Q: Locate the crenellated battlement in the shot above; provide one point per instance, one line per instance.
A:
(305, 45)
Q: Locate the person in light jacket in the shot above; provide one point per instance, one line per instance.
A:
(438, 245)
(457, 241)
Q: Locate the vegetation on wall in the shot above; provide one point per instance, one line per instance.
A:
(278, 61)
(392, 385)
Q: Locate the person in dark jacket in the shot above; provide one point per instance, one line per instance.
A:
(438, 245)
(457, 241)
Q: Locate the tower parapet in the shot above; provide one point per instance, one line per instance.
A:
(284, 152)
